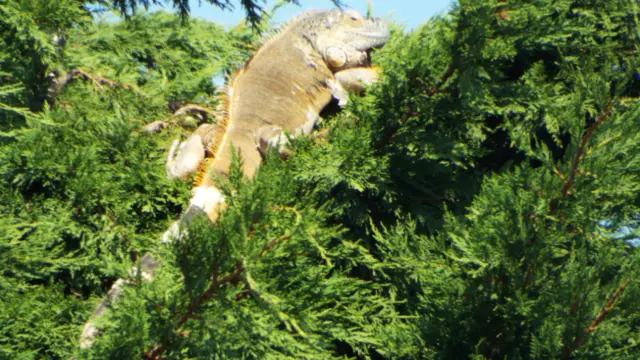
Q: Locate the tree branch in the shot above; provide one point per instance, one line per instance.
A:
(232, 278)
(208, 295)
(579, 155)
(158, 125)
(434, 90)
(58, 83)
(273, 244)
(202, 111)
(594, 325)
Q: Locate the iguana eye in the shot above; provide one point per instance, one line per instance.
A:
(353, 15)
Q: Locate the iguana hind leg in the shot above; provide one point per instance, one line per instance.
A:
(192, 151)
(270, 136)
(187, 161)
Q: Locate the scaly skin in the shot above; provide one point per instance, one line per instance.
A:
(282, 88)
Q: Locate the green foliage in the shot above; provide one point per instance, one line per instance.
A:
(29, 30)
(469, 206)
(83, 190)
(283, 276)
(40, 321)
(173, 66)
(255, 13)
(73, 214)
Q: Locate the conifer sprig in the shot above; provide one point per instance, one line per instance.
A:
(598, 319)
(580, 153)
(495, 221)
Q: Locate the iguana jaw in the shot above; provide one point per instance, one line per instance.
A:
(374, 35)
(367, 42)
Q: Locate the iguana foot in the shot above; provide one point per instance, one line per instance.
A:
(339, 92)
(206, 200)
(172, 234)
(270, 136)
(354, 80)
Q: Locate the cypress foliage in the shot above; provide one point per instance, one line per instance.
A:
(471, 205)
(84, 190)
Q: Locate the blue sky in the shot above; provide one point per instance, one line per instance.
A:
(408, 13)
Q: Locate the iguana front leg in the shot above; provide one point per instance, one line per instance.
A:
(354, 80)
(341, 58)
(270, 136)
(349, 80)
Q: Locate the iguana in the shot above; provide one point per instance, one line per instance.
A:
(317, 56)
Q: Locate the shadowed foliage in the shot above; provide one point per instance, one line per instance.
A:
(476, 203)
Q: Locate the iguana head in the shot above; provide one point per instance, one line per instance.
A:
(347, 32)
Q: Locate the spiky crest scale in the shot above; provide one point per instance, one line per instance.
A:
(223, 116)
(278, 33)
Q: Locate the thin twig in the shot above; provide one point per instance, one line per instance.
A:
(579, 155)
(114, 220)
(443, 79)
(434, 90)
(273, 243)
(574, 306)
(594, 325)
(527, 277)
(155, 353)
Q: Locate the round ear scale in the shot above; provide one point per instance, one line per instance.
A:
(336, 57)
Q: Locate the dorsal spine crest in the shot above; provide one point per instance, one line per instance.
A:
(223, 119)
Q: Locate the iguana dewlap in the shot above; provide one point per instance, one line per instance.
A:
(319, 55)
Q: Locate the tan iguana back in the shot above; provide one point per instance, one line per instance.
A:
(284, 85)
(265, 92)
